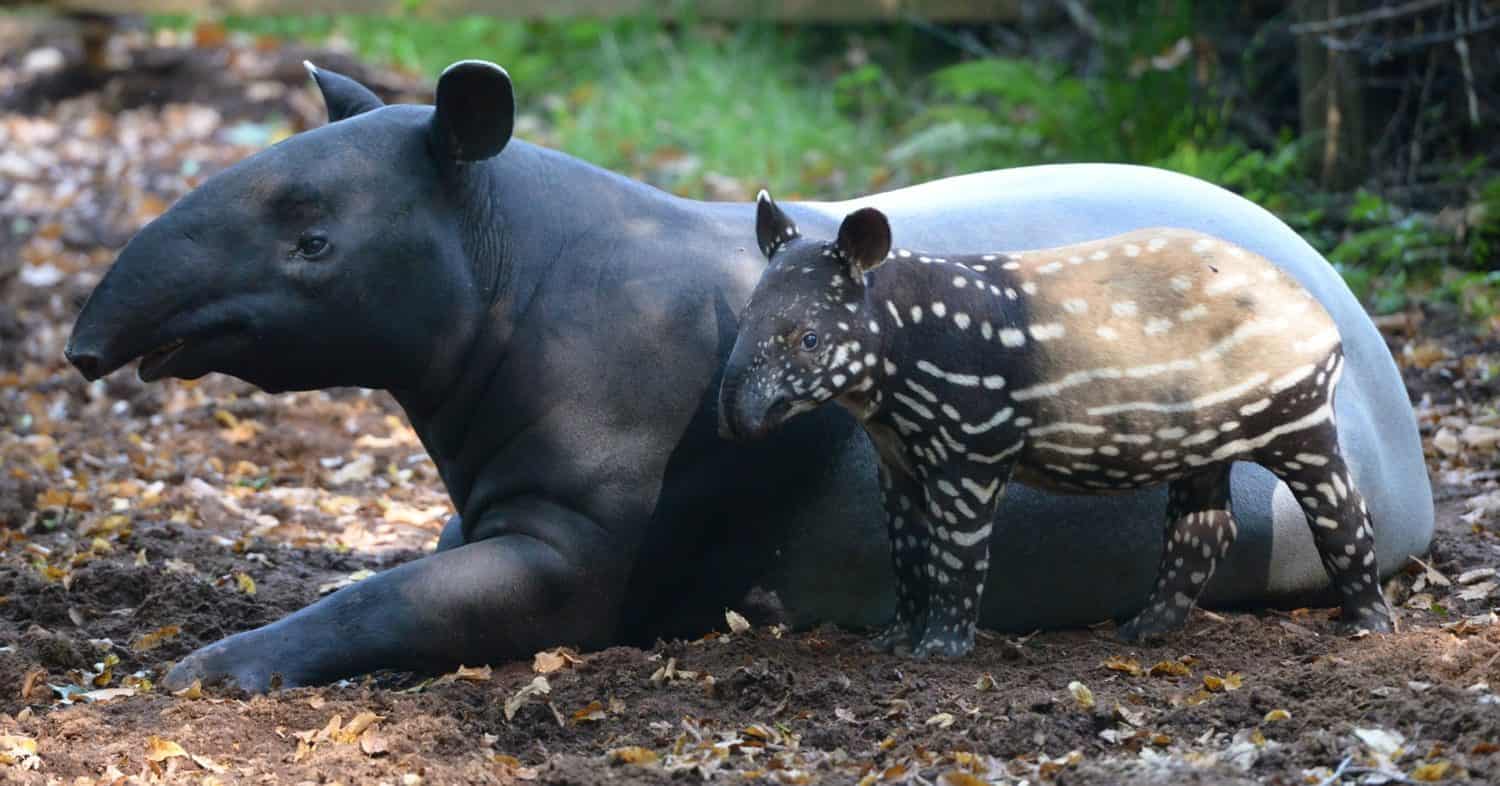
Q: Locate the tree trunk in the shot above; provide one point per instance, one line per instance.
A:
(1332, 105)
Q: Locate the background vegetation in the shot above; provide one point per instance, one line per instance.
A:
(1210, 89)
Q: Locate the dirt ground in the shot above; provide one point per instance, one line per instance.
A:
(139, 522)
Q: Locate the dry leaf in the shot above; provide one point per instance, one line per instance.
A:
(986, 682)
(632, 754)
(1471, 576)
(1277, 715)
(159, 750)
(357, 726)
(549, 661)
(1081, 694)
(1478, 591)
(245, 583)
(1431, 771)
(194, 691)
(959, 778)
(1126, 665)
(154, 639)
(372, 744)
(593, 711)
(1170, 668)
(737, 623)
(941, 720)
(537, 687)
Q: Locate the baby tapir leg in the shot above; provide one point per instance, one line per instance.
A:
(1200, 529)
(961, 513)
(901, 496)
(1315, 470)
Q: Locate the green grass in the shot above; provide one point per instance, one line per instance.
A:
(711, 110)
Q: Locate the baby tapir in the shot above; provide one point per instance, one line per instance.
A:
(1159, 356)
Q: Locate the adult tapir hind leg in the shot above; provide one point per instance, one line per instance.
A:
(535, 583)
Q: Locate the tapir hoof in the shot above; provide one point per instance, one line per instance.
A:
(953, 645)
(224, 664)
(1150, 625)
(1375, 619)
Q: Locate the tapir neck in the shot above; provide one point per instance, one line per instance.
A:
(535, 219)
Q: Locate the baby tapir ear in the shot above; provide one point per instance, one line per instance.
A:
(475, 111)
(864, 239)
(343, 96)
(773, 228)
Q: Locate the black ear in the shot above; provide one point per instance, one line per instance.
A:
(475, 113)
(343, 96)
(773, 228)
(865, 240)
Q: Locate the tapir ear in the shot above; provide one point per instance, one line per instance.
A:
(343, 96)
(864, 240)
(476, 111)
(773, 228)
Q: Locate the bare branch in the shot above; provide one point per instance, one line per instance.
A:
(1375, 15)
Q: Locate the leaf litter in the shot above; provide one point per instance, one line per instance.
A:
(140, 522)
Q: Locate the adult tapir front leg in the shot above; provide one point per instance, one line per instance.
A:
(544, 577)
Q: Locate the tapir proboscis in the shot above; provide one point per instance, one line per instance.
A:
(556, 334)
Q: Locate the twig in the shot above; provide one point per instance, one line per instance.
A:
(1381, 51)
(1416, 134)
(1376, 15)
(1345, 770)
(1338, 772)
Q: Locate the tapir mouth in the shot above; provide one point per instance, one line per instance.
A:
(154, 363)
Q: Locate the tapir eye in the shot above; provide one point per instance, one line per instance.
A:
(809, 341)
(312, 245)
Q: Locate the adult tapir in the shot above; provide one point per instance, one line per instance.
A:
(556, 333)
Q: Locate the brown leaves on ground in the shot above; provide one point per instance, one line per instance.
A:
(362, 729)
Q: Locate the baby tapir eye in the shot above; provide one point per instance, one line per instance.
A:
(312, 245)
(809, 341)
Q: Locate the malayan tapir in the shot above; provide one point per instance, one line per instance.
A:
(1160, 356)
(556, 335)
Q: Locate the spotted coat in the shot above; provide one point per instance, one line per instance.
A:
(1155, 357)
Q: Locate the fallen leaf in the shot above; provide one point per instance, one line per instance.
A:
(1478, 591)
(193, 691)
(344, 581)
(986, 682)
(1385, 743)
(737, 623)
(372, 744)
(105, 694)
(549, 661)
(942, 720)
(593, 711)
(1126, 665)
(537, 687)
(1277, 715)
(209, 764)
(1081, 694)
(632, 754)
(959, 778)
(467, 674)
(357, 726)
(245, 583)
(1170, 668)
(1472, 576)
(154, 639)
(1431, 771)
(159, 750)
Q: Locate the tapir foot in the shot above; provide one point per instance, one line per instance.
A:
(1153, 622)
(1374, 618)
(945, 645)
(898, 637)
(229, 662)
